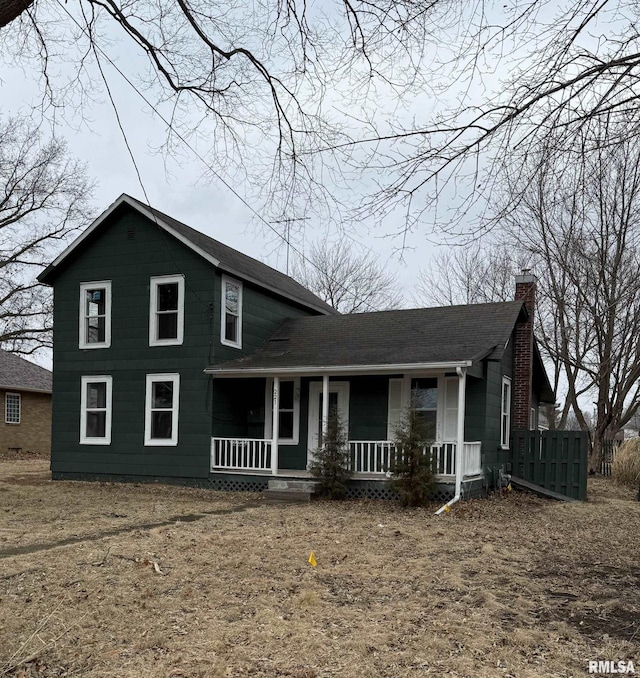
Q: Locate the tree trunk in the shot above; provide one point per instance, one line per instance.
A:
(12, 9)
(597, 452)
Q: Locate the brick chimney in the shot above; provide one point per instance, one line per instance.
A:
(523, 351)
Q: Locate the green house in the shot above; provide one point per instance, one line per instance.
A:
(177, 358)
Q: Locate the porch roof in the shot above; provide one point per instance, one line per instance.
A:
(424, 338)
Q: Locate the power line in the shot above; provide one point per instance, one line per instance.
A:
(96, 48)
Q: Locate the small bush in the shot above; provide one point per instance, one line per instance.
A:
(411, 470)
(331, 461)
(626, 463)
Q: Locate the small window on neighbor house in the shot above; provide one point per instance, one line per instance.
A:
(231, 319)
(505, 422)
(12, 408)
(161, 410)
(533, 419)
(95, 314)
(95, 410)
(166, 310)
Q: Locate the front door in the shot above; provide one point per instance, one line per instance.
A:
(338, 401)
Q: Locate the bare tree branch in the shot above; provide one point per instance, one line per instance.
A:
(43, 200)
(349, 280)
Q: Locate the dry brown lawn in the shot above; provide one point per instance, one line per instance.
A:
(148, 580)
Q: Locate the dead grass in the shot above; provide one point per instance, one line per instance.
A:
(625, 469)
(507, 586)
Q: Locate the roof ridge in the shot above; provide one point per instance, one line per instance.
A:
(217, 253)
(420, 309)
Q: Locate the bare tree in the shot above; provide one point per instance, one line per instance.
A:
(574, 223)
(349, 280)
(477, 273)
(579, 217)
(308, 80)
(43, 199)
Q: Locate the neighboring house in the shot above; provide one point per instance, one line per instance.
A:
(25, 394)
(179, 358)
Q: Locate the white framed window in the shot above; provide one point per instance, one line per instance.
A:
(161, 409)
(95, 314)
(288, 414)
(505, 419)
(12, 407)
(533, 419)
(95, 410)
(166, 310)
(231, 313)
(424, 399)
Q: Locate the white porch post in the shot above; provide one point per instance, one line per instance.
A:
(325, 406)
(275, 425)
(462, 387)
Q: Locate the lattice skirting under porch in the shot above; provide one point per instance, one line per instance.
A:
(357, 489)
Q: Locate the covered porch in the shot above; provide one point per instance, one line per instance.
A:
(288, 412)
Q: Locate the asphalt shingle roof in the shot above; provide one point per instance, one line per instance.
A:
(21, 375)
(423, 335)
(241, 264)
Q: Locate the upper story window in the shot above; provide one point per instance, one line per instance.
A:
(505, 423)
(231, 307)
(12, 408)
(95, 410)
(95, 314)
(161, 409)
(166, 310)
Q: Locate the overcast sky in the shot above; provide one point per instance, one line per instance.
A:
(183, 187)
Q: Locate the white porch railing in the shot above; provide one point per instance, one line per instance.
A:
(367, 456)
(241, 454)
(471, 459)
(374, 456)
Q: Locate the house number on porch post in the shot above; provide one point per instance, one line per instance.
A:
(275, 426)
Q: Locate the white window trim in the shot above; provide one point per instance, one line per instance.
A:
(153, 309)
(6, 409)
(82, 336)
(108, 380)
(268, 412)
(223, 312)
(162, 442)
(506, 381)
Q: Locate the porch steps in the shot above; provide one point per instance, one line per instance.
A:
(290, 491)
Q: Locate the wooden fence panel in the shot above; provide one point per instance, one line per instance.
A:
(556, 460)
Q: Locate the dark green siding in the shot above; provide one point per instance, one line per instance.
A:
(129, 263)
(494, 458)
(475, 409)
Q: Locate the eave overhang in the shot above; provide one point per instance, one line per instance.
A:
(343, 370)
(24, 389)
